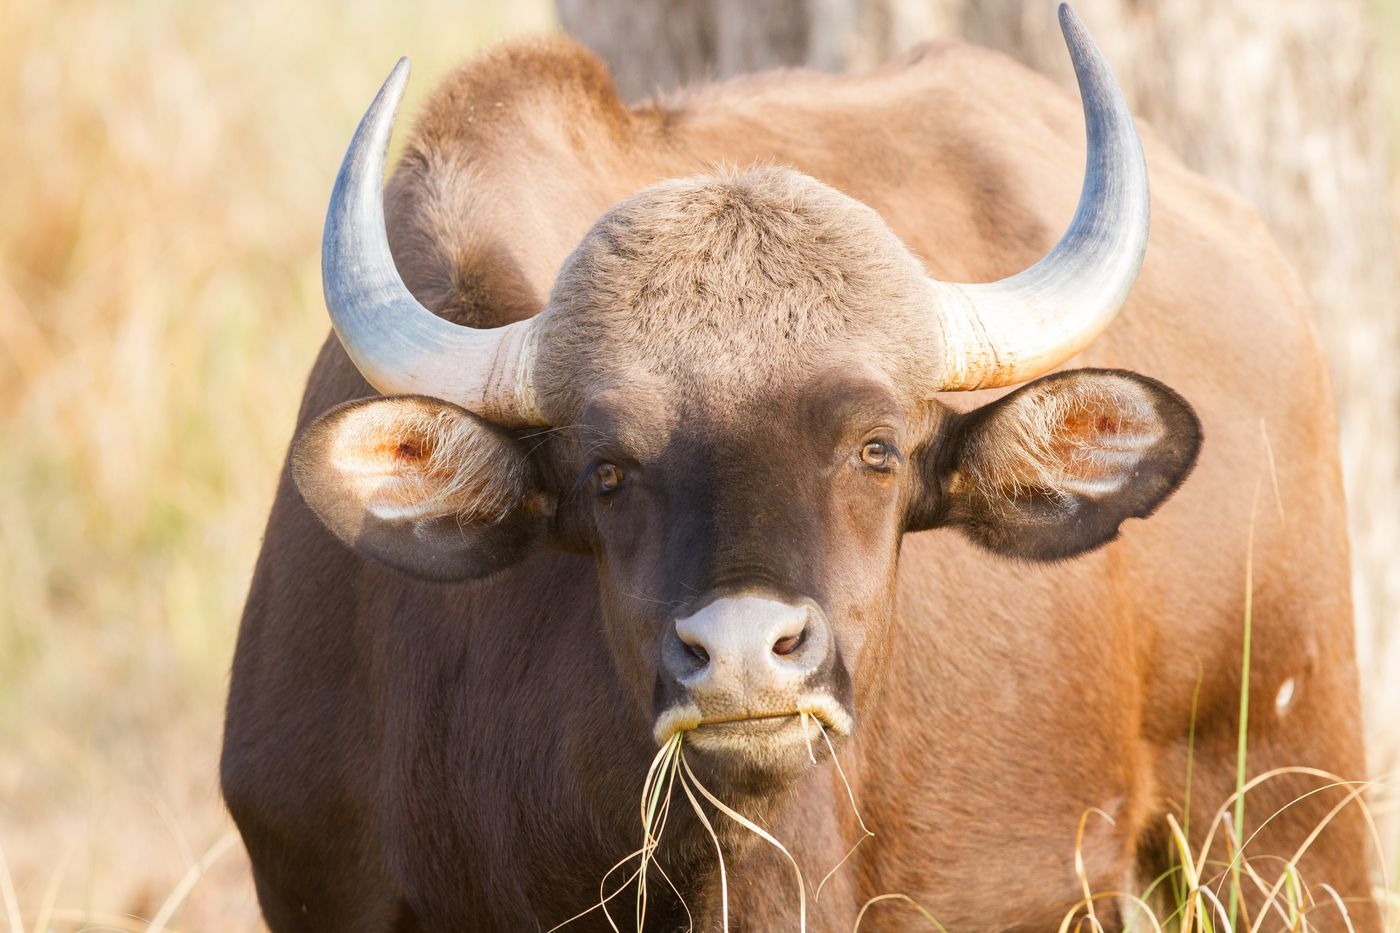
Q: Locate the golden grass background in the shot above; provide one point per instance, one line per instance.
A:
(163, 174)
(164, 168)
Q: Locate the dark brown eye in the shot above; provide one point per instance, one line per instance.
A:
(875, 454)
(609, 477)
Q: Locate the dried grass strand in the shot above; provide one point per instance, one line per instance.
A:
(44, 917)
(8, 895)
(762, 833)
(923, 911)
(1141, 903)
(182, 889)
(719, 854)
(850, 795)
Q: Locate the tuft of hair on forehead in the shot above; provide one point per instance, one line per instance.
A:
(735, 279)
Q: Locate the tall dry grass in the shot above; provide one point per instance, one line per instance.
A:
(163, 172)
(164, 168)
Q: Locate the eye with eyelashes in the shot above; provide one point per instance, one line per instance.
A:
(603, 477)
(609, 477)
(878, 455)
(606, 468)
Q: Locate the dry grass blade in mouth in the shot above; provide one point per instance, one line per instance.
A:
(657, 789)
(719, 854)
(850, 794)
(807, 734)
(656, 805)
(754, 828)
(689, 781)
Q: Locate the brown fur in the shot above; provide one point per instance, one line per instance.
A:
(393, 756)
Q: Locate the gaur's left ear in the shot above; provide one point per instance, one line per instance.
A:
(1054, 468)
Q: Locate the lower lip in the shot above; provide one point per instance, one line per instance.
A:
(785, 728)
(741, 720)
(826, 716)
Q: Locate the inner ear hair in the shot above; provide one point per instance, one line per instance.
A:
(425, 458)
(411, 458)
(422, 485)
(1053, 469)
(1074, 434)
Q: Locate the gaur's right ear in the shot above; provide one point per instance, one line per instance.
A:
(422, 485)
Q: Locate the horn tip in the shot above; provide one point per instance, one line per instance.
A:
(1069, 20)
(398, 80)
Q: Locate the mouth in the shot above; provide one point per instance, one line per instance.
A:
(747, 717)
(721, 729)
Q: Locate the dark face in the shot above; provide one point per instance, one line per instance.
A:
(747, 564)
(746, 550)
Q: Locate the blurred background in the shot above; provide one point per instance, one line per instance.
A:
(163, 174)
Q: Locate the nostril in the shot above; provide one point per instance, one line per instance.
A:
(786, 646)
(698, 653)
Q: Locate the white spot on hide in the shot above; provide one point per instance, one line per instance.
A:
(1284, 700)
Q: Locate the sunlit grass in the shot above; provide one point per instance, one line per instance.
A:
(166, 172)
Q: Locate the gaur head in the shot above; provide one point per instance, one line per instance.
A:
(730, 402)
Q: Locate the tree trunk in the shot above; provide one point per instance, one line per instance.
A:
(1280, 101)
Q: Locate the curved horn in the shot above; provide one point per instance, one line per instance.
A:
(1001, 333)
(397, 344)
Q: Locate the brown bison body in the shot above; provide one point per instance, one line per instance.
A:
(410, 755)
